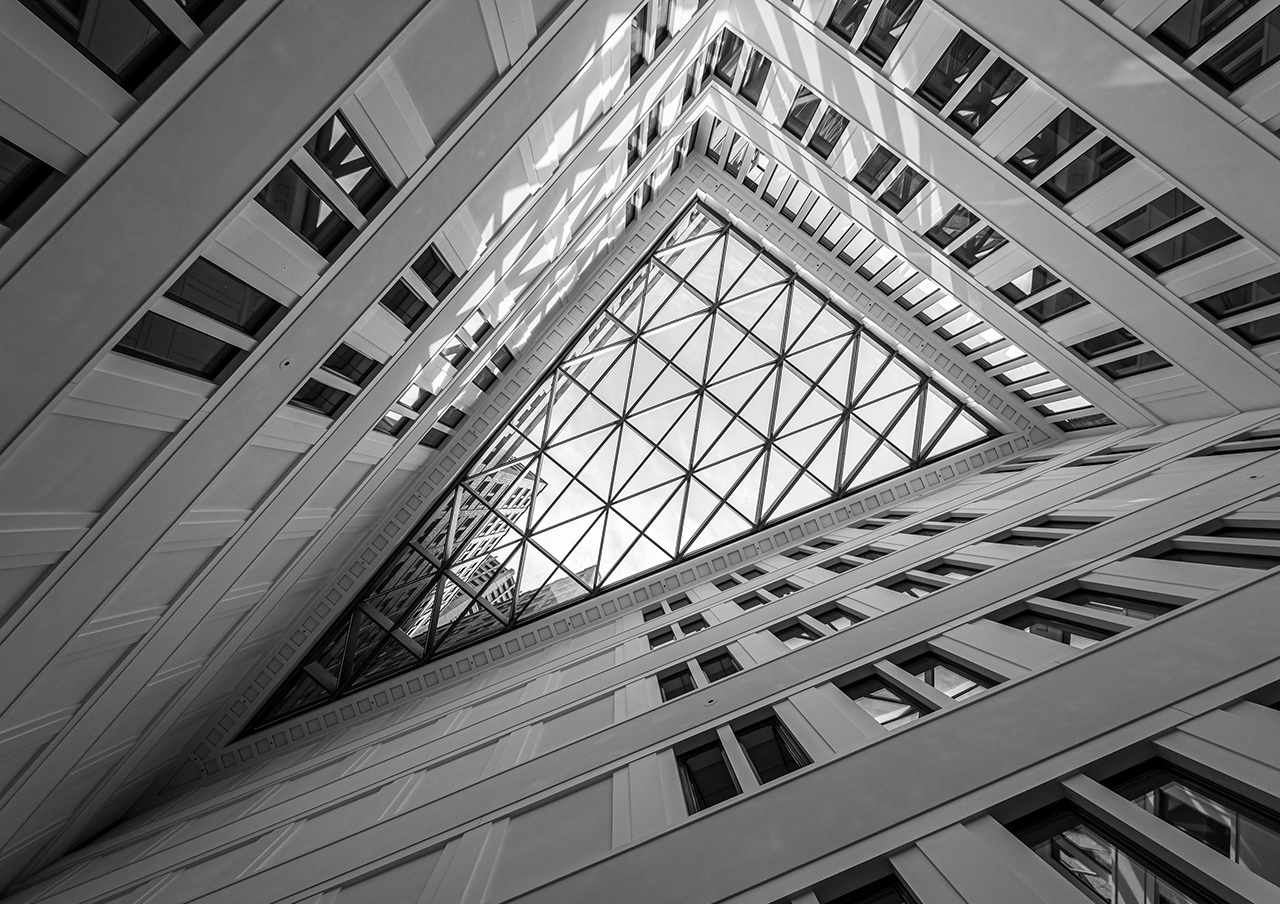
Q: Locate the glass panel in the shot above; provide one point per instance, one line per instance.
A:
(887, 29)
(1110, 601)
(1105, 344)
(950, 72)
(950, 227)
(771, 750)
(20, 175)
(676, 684)
(120, 36)
(163, 341)
(720, 666)
(1051, 143)
(1189, 245)
(1055, 305)
(1252, 295)
(304, 210)
(730, 55)
(985, 242)
(1257, 332)
(1095, 164)
(351, 365)
(905, 186)
(320, 398)
(1247, 55)
(1142, 363)
(1165, 210)
(836, 618)
(706, 778)
(846, 16)
(339, 152)
(995, 87)
(215, 292)
(802, 113)
(433, 271)
(404, 303)
(891, 708)
(1028, 284)
(753, 81)
(954, 681)
(639, 24)
(1056, 630)
(830, 128)
(1196, 21)
(878, 166)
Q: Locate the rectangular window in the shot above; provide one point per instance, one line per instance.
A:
(839, 566)
(171, 344)
(662, 23)
(802, 113)
(404, 303)
(1248, 297)
(1035, 280)
(986, 97)
(654, 612)
(828, 133)
(887, 29)
(782, 588)
(295, 202)
(320, 398)
(846, 17)
(340, 154)
(391, 424)
(795, 636)
(837, 619)
(21, 175)
(693, 625)
(1057, 630)
(639, 25)
(877, 168)
(705, 777)
(715, 141)
(719, 665)
(676, 684)
(1111, 601)
(1105, 344)
(888, 706)
(122, 38)
(1055, 139)
(1187, 246)
(1091, 167)
(679, 602)
(433, 271)
(351, 365)
(1247, 55)
(950, 227)
(726, 584)
(905, 186)
(911, 587)
(1141, 363)
(750, 601)
(985, 242)
(958, 62)
(658, 638)
(1055, 305)
(753, 80)
(1165, 210)
(729, 57)
(1196, 21)
(956, 682)
(216, 293)
(1228, 559)
(771, 750)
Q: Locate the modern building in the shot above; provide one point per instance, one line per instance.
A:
(822, 452)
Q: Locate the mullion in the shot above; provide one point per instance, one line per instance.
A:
(804, 468)
(816, 385)
(847, 405)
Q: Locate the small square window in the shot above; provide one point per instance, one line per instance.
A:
(719, 665)
(654, 612)
(795, 636)
(295, 202)
(782, 588)
(676, 684)
(705, 777)
(771, 749)
(433, 271)
(748, 574)
(750, 601)
(658, 638)
(836, 618)
(726, 584)
(694, 625)
(888, 706)
(408, 308)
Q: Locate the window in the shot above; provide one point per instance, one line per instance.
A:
(911, 587)
(635, 145)
(1055, 305)
(1132, 366)
(1256, 49)
(662, 23)
(1091, 167)
(404, 303)
(122, 38)
(715, 141)
(171, 344)
(679, 602)
(828, 132)
(729, 57)
(654, 612)
(905, 186)
(754, 78)
(1165, 210)
(295, 202)
(351, 365)
(391, 423)
(1248, 297)
(878, 166)
(795, 636)
(782, 588)
(1229, 559)
(802, 113)
(726, 584)
(839, 566)
(676, 683)
(887, 29)
(340, 154)
(1050, 143)
(693, 625)
(432, 270)
(639, 25)
(719, 665)
(950, 72)
(846, 16)
(658, 638)
(750, 601)
(1196, 21)
(1057, 630)
(705, 777)
(1105, 344)
(1111, 601)
(888, 706)
(956, 682)
(1235, 828)
(321, 398)
(987, 96)
(216, 293)
(1030, 283)
(1187, 246)
(982, 244)
(837, 619)
(771, 749)
(950, 227)
(21, 176)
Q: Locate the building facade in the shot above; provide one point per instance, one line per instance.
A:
(574, 450)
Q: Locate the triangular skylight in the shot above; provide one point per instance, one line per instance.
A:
(714, 394)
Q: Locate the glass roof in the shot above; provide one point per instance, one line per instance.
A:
(715, 393)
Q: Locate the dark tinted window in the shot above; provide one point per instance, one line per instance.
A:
(1247, 55)
(215, 292)
(949, 228)
(878, 166)
(846, 16)
(829, 130)
(802, 112)
(887, 29)
(163, 341)
(771, 750)
(435, 272)
(1094, 165)
(1170, 207)
(1050, 143)
(405, 304)
(1196, 21)
(753, 81)
(351, 365)
(120, 36)
(1189, 245)
(676, 684)
(905, 186)
(20, 176)
(995, 86)
(316, 396)
(719, 666)
(297, 204)
(336, 148)
(705, 777)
